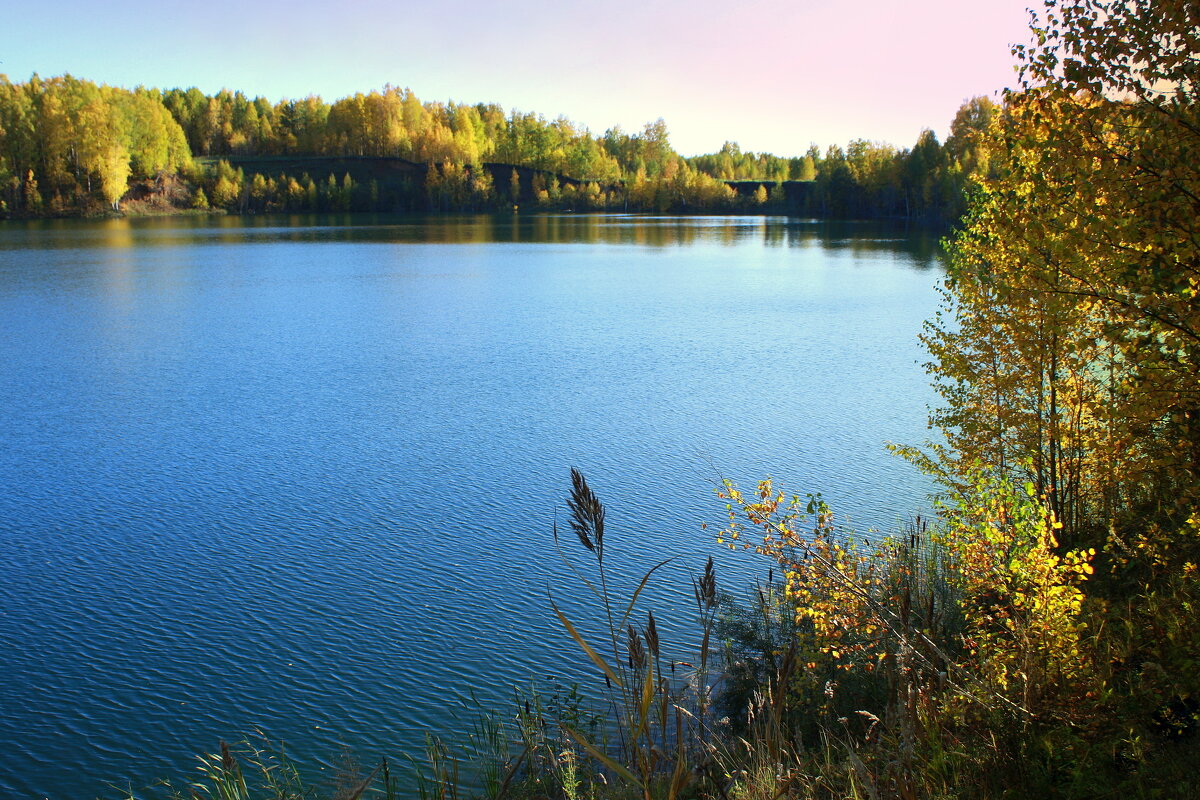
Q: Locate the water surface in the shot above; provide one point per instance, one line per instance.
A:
(299, 473)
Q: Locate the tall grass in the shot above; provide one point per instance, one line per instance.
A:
(902, 668)
(258, 769)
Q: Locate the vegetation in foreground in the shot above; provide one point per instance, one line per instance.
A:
(1037, 638)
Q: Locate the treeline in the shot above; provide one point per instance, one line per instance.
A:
(377, 185)
(873, 179)
(393, 123)
(68, 144)
(70, 147)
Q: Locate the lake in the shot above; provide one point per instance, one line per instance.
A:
(299, 474)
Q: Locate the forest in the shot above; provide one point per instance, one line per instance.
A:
(69, 147)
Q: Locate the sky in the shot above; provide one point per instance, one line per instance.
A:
(771, 75)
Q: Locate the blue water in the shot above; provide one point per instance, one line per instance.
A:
(299, 474)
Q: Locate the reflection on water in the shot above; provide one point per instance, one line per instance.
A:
(281, 473)
(620, 229)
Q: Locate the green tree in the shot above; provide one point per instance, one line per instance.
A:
(514, 188)
(807, 170)
(330, 194)
(1071, 348)
(31, 196)
(258, 192)
(970, 125)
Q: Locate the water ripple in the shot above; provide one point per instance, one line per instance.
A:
(275, 475)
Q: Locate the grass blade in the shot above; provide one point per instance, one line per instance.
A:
(366, 782)
(646, 700)
(642, 585)
(587, 648)
(603, 759)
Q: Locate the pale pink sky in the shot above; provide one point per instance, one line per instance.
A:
(769, 74)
